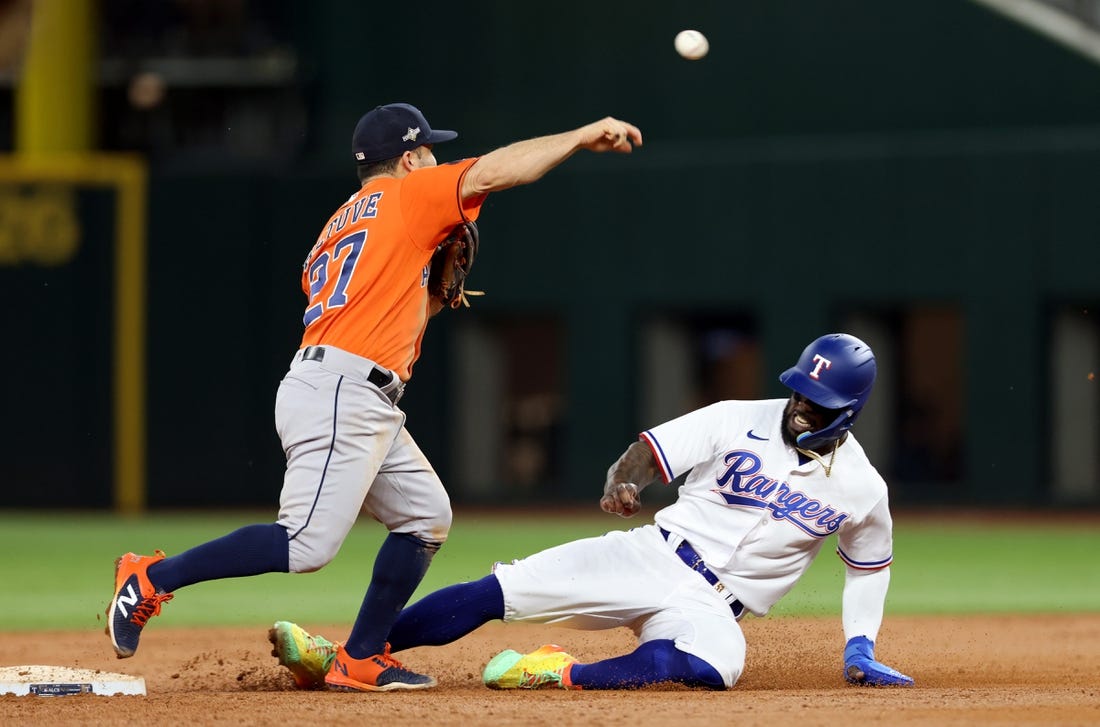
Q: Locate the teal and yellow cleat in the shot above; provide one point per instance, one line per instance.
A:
(307, 657)
(547, 666)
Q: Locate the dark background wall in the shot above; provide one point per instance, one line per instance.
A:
(824, 157)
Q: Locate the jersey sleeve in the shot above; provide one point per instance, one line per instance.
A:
(681, 443)
(432, 204)
(868, 544)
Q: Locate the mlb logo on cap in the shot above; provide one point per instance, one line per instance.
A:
(389, 131)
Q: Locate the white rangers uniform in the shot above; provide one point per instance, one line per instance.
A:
(755, 511)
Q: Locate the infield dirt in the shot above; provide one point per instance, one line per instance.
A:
(987, 670)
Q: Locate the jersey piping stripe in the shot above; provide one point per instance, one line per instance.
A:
(328, 458)
(662, 460)
(865, 565)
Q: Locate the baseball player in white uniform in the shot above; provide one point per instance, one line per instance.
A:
(768, 482)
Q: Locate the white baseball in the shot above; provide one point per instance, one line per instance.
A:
(691, 44)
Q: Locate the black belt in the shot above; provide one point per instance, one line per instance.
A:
(687, 554)
(378, 376)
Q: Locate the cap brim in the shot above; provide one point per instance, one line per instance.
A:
(438, 136)
(794, 379)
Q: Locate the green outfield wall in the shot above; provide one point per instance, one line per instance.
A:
(825, 163)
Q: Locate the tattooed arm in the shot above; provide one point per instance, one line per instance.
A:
(630, 474)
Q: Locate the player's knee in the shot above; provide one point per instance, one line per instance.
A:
(730, 673)
(434, 528)
(726, 666)
(726, 671)
(682, 667)
(309, 554)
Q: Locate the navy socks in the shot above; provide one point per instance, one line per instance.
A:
(248, 551)
(651, 663)
(439, 618)
(448, 614)
(452, 612)
(399, 567)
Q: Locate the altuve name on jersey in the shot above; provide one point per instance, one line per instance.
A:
(364, 208)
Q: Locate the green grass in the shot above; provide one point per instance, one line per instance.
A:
(979, 567)
(57, 568)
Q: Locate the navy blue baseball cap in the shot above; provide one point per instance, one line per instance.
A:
(389, 131)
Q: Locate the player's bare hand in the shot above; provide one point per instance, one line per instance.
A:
(611, 135)
(622, 499)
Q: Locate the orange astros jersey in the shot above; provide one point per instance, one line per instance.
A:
(366, 277)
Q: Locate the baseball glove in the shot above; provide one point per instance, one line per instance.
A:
(451, 264)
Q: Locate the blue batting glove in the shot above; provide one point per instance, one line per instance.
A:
(860, 666)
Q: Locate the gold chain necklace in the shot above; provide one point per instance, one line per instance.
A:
(814, 455)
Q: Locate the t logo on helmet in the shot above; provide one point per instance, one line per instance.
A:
(820, 363)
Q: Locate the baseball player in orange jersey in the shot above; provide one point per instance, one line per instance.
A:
(336, 410)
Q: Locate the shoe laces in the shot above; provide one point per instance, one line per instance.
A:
(323, 648)
(149, 607)
(387, 659)
(320, 645)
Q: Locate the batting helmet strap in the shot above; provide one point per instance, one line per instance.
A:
(840, 425)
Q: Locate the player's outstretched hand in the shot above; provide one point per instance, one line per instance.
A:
(621, 499)
(860, 666)
(610, 135)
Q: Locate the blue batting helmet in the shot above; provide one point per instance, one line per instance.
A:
(836, 371)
